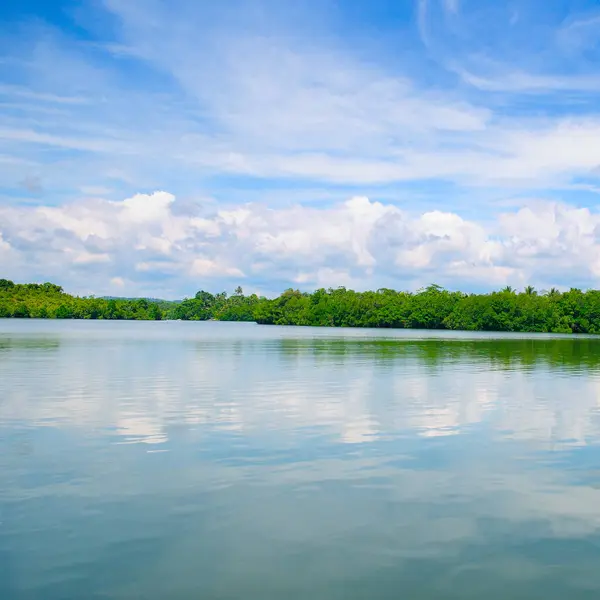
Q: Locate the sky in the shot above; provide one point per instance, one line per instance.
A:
(153, 147)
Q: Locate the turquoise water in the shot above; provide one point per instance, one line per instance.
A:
(225, 461)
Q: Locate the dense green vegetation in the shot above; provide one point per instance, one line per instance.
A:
(435, 308)
(49, 301)
(574, 311)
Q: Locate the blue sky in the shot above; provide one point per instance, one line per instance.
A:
(152, 147)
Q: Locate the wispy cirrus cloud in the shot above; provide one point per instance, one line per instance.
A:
(580, 31)
(286, 107)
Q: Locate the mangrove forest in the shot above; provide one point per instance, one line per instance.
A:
(573, 311)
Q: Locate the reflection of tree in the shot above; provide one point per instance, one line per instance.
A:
(8, 344)
(248, 378)
(570, 354)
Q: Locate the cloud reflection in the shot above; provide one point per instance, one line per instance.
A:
(349, 455)
(356, 390)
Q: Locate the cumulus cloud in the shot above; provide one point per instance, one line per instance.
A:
(117, 282)
(438, 128)
(144, 242)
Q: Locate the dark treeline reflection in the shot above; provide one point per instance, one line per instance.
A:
(572, 354)
(8, 344)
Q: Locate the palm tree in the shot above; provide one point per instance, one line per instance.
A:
(553, 292)
(530, 291)
(509, 289)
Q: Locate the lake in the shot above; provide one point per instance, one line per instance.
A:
(180, 460)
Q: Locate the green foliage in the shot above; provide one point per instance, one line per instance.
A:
(433, 307)
(48, 301)
(6, 284)
(436, 308)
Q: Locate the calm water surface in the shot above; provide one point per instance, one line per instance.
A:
(233, 461)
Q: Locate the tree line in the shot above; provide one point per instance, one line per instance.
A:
(433, 307)
(49, 301)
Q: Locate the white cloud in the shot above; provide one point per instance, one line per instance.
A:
(580, 31)
(277, 108)
(95, 190)
(512, 80)
(87, 258)
(359, 243)
(451, 6)
(142, 208)
(211, 268)
(4, 245)
(14, 90)
(231, 111)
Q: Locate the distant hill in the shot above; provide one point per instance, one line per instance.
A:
(133, 298)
